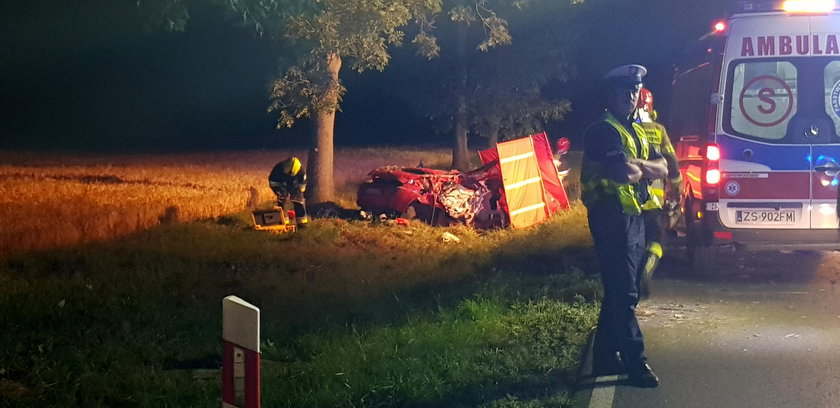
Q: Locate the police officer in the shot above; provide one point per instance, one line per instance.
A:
(288, 181)
(653, 213)
(616, 166)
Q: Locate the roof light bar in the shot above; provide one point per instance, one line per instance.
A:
(755, 6)
(788, 6)
(808, 6)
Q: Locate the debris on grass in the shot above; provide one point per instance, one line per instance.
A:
(448, 237)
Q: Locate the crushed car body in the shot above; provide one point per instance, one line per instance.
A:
(517, 186)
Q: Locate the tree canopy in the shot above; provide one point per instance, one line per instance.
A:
(320, 31)
(492, 67)
(324, 34)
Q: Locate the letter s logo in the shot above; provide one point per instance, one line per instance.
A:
(764, 95)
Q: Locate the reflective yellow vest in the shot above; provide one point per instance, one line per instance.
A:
(594, 183)
(658, 140)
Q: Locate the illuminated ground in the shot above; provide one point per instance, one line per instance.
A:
(762, 331)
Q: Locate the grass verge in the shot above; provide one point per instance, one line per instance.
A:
(353, 315)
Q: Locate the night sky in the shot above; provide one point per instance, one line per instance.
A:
(87, 75)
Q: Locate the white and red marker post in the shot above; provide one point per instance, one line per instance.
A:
(241, 354)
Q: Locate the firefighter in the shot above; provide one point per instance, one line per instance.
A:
(616, 166)
(654, 214)
(288, 181)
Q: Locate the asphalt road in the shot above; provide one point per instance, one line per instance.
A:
(762, 330)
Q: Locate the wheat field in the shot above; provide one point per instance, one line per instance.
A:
(50, 200)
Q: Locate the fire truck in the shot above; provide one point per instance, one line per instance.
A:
(755, 118)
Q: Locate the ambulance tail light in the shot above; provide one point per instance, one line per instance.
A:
(712, 153)
(711, 169)
(712, 177)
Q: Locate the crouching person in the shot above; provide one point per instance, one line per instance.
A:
(288, 181)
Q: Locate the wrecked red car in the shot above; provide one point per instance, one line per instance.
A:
(437, 197)
(518, 186)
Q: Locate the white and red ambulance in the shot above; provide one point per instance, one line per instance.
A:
(755, 117)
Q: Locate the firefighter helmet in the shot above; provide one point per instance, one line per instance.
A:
(291, 166)
(646, 100)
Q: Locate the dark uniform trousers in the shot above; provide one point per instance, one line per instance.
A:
(620, 249)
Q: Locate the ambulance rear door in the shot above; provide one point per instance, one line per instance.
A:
(822, 125)
(766, 173)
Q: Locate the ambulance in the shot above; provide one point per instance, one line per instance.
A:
(755, 118)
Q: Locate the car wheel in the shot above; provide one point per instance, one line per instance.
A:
(418, 211)
(377, 217)
(700, 257)
(698, 251)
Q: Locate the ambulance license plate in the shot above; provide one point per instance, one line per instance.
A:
(765, 217)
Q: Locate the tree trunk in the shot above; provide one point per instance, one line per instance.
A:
(320, 165)
(460, 152)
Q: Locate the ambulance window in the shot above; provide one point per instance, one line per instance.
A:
(763, 98)
(832, 93)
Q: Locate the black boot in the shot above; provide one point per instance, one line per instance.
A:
(643, 377)
(608, 366)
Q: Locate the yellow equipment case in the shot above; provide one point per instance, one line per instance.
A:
(273, 220)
